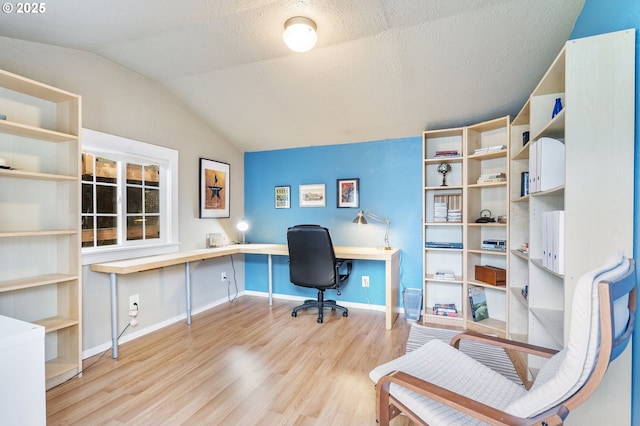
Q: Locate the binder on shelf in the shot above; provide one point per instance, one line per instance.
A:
(553, 241)
(546, 164)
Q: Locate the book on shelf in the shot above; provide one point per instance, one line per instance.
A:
(445, 309)
(447, 154)
(489, 149)
(478, 303)
(447, 208)
(444, 275)
(443, 244)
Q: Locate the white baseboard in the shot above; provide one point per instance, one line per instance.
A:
(143, 331)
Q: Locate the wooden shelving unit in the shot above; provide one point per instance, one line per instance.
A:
(40, 263)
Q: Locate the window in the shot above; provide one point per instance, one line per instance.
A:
(127, 188)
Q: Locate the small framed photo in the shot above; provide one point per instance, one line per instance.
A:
(313, 195)
(283, 197)
(214, 189)
(349, 193)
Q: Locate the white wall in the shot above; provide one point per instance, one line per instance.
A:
(118, 101)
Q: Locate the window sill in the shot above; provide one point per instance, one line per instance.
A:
(113, 254)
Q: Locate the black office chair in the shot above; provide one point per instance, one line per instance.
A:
(313, 264)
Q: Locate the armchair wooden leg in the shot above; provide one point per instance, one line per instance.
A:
(382, 404)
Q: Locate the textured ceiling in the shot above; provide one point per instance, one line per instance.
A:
(381, 68)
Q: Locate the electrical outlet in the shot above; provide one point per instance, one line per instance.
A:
(134, 302)
(223, 276)
(365, 281)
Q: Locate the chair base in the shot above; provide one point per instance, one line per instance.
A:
(320, 304)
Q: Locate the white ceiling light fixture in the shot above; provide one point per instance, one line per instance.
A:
(300, 34)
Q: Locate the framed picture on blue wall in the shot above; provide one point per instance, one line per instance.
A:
(313, 195)
(283, 197)
(349, 193)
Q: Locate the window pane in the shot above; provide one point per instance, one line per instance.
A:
(106, 197)
(152, 227)
(106, 170)
(87, 198)
(134, 228)
(107, 230)
(134, 200)
(152, 175)
(87, 166)
(151, 201)
(134, 174)
(87, 231)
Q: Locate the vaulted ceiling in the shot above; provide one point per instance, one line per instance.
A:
(381, 68)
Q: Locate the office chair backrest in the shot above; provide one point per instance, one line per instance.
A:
(312, 261)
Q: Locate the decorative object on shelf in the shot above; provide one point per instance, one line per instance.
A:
(214, 189)
(525, 138)
(361, 220)
(3, 164)
(348, 193)
(444, 168)
(502, 219)
(478, 303)
(215, 239)
(313, 195)
(243, 226)
(282, 195)
(557, 107)
(300, 34)
(485, 217)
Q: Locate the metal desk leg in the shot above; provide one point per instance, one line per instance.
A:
(270, 281)
(187, 281)
(114, 315)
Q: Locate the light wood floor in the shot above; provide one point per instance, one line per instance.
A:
(243, 363)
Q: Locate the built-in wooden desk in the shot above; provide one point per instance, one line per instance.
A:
(391, 259)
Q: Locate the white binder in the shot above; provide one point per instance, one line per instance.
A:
(549, 162)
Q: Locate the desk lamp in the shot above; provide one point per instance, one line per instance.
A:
(361, 220)
(242, 226)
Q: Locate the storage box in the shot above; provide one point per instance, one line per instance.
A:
(491, 275)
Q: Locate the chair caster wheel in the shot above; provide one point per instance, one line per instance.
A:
(319, 320)
(345, 314)
(294, 314)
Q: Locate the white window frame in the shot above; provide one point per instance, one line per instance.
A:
(124, 149)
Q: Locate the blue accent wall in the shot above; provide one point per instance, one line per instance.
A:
(604, 16)
(390, 174)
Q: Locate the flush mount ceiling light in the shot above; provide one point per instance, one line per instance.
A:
(300, 34)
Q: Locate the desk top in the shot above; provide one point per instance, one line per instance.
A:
(148, 263)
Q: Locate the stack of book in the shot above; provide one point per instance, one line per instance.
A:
(443, 244)
(447, 154)
(444, 276)
(445, 309)
(439, 208)
(454, 208)
(492, 178)
(489, 149)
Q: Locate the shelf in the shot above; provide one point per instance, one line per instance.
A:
(33, 88)
(523, 117)
(58, 367)
(56, 323)
(488, 155)
(516, 293)
(20, 174)
(486, 285)
(453, 250)
(8, 234)
(442, 188)
(443, 160)
(444, 224)
(489, 325)
(523, 199)
(557, 191)
(538, 263)
(487, 185)
(432, 278)
(22, 283)
(522, 154)
(553, 322)
(520, 254)
(518, 337)
(555, 128)
(493, 252)
(26, 131)
(487, 225)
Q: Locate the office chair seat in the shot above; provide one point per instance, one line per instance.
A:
(312, 264)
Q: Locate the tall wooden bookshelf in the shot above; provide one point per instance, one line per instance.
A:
(594, 79)
(454, 247)
(40, 259)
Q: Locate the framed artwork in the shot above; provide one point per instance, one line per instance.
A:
(349, 193)
(214, 189)
(283, 197)
(313, 195)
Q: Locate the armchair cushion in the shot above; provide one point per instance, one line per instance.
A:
(566, 372)
(443, 365)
